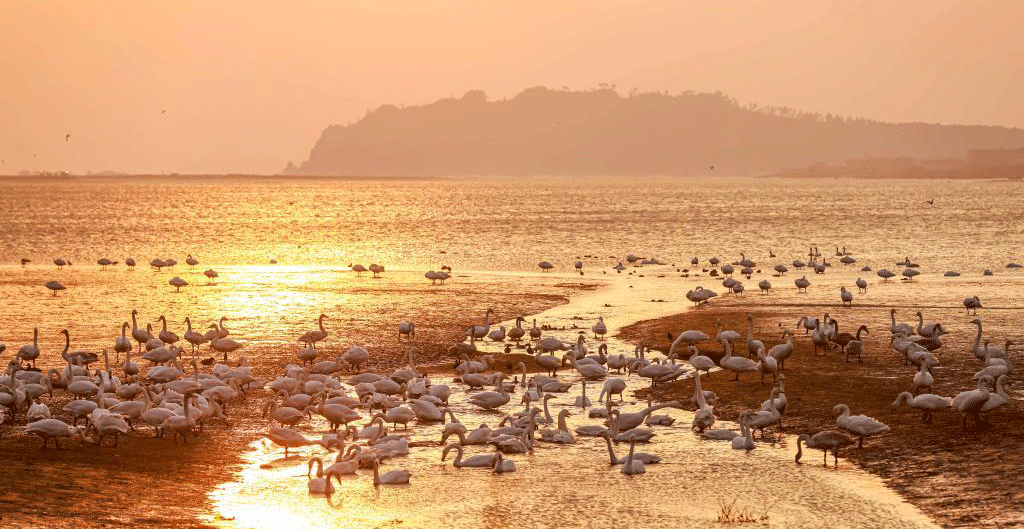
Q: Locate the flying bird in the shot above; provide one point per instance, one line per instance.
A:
(67, 136)
(932, 201)
(712, 168)
(163, 111)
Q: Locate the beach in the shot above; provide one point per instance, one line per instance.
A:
(963, 477)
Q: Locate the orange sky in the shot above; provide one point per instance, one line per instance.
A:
(248, 85)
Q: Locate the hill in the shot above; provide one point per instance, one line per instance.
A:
(600, 132)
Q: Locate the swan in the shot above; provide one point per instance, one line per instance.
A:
(995, 367)
(802, 284)
(737, 364)
(628, 421)
(765, 286)
(923, 378)
(516, 333)
(582, 400)
(969, 403)
(862, 285)
(767, 415)
(860, 425)
(477, 461)
(980, 351)
(926, 402)
(53, 429)
(312, 337)
(972, 303)
(535, 331)
(480, 331)
(30, 352)
(501, 465)
(166, 336)
(824, 441)
(177, 283)
(600, 328)
(491, 400)
(588, 371)
(999, 399)
(768, 365)
(562, 435)
(497, 335)
(846, 296)
(54, 287)
(319, 485)
(407, 329)
(612, 386)
(632, 466)
(700, 362)
(647, 459)
(885, 274)
(545, 266)
(550, 363)
(744, 441)
(394, 477)
(931, 330)
(355, 356)
(899, 328)
(752, 344)
(782, 351)
(704, 417)
(139, 335)
(123, 344)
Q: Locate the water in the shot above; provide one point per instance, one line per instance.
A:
(493, 232)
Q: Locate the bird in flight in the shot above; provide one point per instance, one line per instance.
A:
(67, 136)
(163, 111)
(712, 168)
(932, 201)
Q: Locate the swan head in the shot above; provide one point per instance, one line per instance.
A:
(840, 409)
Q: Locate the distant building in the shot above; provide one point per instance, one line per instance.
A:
(995, 157)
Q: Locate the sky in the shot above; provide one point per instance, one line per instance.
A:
(196, 86)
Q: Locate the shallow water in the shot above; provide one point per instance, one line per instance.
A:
(493, 232)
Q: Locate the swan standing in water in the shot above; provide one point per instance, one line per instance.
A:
(647, 459)
(824, 441)
(319, 485)
(744, 441)
(394, 477)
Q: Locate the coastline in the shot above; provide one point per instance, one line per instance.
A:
(147, 482)
(960, 477)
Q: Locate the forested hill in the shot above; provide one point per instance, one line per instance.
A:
(600, 132)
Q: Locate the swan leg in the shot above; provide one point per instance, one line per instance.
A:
(860, 443)
(835, 452)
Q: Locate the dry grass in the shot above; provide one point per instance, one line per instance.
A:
(729, 512)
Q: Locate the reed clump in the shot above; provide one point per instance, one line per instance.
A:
(729, 512)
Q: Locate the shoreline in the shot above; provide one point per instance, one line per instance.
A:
(176, 494)
(959, 477)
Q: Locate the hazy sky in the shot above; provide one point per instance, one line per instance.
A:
(249, 85)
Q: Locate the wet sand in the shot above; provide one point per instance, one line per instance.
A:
(146, 482)
(962, 477)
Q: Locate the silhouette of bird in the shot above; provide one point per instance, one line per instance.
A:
(163, 111)
(67, 136)
(932, 201)
(712, 168)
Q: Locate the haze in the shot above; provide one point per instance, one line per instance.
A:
(214, 87)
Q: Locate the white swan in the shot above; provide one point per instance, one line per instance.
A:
(394, 477)
(491, 400)
(480, 331)
(801, 284)
(737, 364)
(312, 337)
(744, 441)
(599, 328)
(970, 403)
(647, 459)
(931, 330)
(860, 425)
(846, 296)
(824, 441)
(53, 429)
(926, 402)
(752, 344)
(632, 466)
(318, 485)
(477, 461)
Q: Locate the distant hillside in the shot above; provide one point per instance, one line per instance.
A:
(599, 132)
